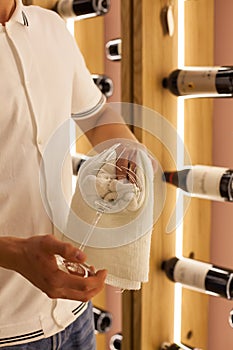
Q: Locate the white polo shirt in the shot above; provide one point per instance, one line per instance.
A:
(43, 81)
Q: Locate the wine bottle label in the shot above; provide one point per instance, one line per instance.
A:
(191, 273)
(204, 181)
(65, 9)
(197, 81)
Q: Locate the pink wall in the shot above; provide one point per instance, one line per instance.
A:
(220, 333)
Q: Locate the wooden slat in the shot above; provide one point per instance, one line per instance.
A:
(159, 57)
(153, 57)
(43, 3)
(199, 16)
(89, 34)
(128, 298)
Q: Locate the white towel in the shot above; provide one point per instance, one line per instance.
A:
(121, 241)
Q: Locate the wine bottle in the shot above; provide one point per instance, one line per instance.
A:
(77, 160)
(201, 82)
(113, 50)
(102, 320)
(169, 346)
(115, 341)
(200, 276)
(209, 182)
(104, 83)
(81, 9)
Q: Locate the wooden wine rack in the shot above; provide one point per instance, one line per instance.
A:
(149, 314)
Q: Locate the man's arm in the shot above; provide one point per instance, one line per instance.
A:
(107, 128)
(107, 125)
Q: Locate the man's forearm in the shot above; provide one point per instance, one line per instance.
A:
(107, 126)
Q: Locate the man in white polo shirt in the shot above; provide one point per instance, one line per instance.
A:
(43, 81)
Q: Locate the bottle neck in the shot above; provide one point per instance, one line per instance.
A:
(178, 178)
(82, 8)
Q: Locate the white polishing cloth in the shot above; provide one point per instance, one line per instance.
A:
(121, 241)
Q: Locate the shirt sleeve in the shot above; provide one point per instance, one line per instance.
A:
(87, 99)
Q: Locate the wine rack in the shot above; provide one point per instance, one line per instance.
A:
(152, 56)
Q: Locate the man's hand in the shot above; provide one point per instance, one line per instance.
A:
(126, 164)
(34, 258)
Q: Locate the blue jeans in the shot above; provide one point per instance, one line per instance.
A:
(77, 336)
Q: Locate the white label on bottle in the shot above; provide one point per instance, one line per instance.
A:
(191, 273)
(197, 81)
(65, 9)
(204, 181)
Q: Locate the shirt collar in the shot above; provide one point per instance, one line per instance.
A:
(19, 14)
